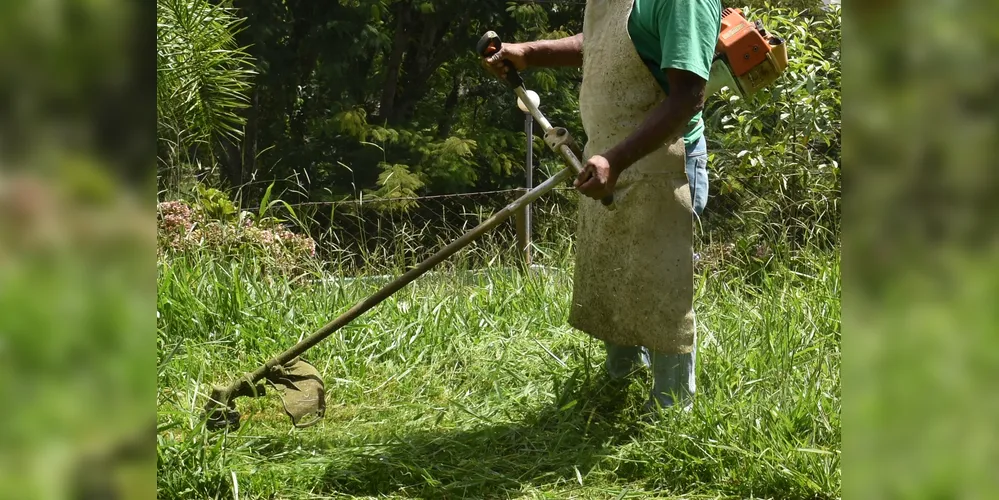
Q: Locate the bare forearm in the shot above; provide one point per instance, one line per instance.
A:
(566, 51)
(664, 124)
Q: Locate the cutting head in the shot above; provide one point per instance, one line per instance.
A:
(299, 384)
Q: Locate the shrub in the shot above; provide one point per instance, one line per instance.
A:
(184, 228)
(775, 159)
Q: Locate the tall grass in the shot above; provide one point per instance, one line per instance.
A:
(469, 383)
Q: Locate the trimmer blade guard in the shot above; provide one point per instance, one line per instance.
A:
(302, 391)
(299, 384)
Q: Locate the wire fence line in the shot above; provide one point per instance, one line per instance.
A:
(520, 190)
(405, 230)
(386, 200)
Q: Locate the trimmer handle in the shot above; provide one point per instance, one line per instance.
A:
(490, 44)
(558, 137)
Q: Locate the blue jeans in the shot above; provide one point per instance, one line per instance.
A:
(672, 374)
(697, 174)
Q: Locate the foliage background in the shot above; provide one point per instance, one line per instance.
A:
(325, 105)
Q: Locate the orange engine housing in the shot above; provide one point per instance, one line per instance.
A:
(740, 42)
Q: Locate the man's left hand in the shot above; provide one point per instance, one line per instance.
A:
(597, 180)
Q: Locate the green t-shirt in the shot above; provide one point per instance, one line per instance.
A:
(677, 34)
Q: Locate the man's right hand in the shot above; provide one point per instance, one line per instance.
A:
(516, 53)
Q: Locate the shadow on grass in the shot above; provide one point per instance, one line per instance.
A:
(494, 461)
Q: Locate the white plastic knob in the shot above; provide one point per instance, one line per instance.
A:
(535, 100)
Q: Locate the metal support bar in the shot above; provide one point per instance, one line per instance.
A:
(525, 243)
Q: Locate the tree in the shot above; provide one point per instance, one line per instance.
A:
(202, 80)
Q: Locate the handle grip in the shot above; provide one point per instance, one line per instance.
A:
(608, 200)
(490, 44)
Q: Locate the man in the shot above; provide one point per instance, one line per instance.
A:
(645, 68)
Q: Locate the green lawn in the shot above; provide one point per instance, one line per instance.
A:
(471, 385)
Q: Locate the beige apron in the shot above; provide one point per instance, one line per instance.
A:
(633, 282)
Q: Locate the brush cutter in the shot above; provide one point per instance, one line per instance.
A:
(298, 382)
